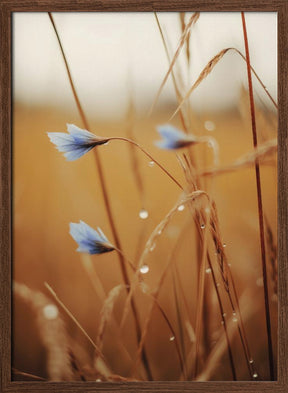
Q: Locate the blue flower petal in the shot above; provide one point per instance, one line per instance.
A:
(173, 138)
(76, 143)
(171, 133)
(77, 152)
(81, 136)
(89, 240)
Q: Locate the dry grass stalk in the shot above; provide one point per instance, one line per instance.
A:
(51, 330)
(183, 26)
(177, 89)
(100, 292)
(97, 350)
(229, 284)
(156, 293)
(191, 22)
(132, 150)
(262, 152)
(152, 241)
(260, 205)
(106, 312)
(105, 197)
(200, 296)
(219, 349)
(204, 73)
(208, 69)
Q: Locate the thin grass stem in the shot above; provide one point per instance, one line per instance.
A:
(260, 205)
(149, 156)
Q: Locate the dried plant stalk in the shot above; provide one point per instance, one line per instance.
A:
(191, 22)
(52, 332)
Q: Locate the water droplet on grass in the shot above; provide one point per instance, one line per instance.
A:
(224, 245)
(209, 125)
(172, 338)
(181, 208)
(234, 319)
(143, 214)
(152, 247)
(144, 269)
(202, 226)
(151, 164)
(255, 375)
(251, 361)
(208, 270)
(50, 311)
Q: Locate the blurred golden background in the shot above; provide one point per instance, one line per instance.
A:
(49, 193)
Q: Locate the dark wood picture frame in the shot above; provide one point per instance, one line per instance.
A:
(7, 7)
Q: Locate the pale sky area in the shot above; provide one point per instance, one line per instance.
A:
(108, 52)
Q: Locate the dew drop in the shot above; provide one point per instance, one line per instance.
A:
(50, 311)
(224, 314)
(181, 208)
(208, 271)
(234, 319)
(209, 125)
(251, 361)
(143, 214)
(217, 285)
(255, 375)
(152, 247)
(159, 232)
(202, 226)
(224, 245)
(144, 269)
(222, 322)
(151, 164)
(98, 380)
(106, 143)
(172, 338)
(234, 313)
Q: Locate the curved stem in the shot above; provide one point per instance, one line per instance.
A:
(130, 263)
(148, 155)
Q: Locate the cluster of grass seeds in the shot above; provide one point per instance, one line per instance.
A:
(216, 298)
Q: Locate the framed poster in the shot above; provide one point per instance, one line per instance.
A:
(144, 196)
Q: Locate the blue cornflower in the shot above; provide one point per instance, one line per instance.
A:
(174, 138)
(76, 143)
(89, 240)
